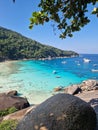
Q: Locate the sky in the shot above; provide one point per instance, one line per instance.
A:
(15, 16)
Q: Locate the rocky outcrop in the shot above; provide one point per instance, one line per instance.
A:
(74, 89)
(57, 89)
(60, 112)
(91, 97)
(7, 101)
(12, 93)
(89, 85)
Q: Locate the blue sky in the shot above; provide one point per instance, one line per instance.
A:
(16, 17)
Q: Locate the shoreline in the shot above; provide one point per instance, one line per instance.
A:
(48, 58)
(28, 89)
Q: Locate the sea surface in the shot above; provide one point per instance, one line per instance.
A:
(36, 79)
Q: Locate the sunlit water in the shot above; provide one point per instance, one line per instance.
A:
(36, 79)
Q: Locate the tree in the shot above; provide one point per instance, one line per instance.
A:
(69, 15)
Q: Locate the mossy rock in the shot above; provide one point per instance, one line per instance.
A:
(60, 112)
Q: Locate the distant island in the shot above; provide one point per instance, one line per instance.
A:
(14, 46)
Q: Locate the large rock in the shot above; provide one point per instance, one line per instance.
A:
(89, 85)
(57, 89)
(7, 101)
(12, 93)
(91, 97)
(74, 89)
(60, 112)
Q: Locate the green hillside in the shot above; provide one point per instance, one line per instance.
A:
(14, 46)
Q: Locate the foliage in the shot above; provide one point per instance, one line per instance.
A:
(14, 46)
(8, 125)
(69, 15)
(7, 111)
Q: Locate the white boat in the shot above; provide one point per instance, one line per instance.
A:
(95, 64)
(54, 72)
(86, 60)
(63, 62)
(94, 70)
(78, 64)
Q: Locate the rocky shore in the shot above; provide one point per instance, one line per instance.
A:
(87, 91)
(10, 99)
(10, 102)
(87, 85)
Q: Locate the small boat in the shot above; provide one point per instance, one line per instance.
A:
(95, 64)
(94, 70)
(86, 60)
(78, 64)
(54, 72)
(76, 61)
(63, 62)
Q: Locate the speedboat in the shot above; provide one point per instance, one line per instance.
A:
(94, 70)
(86, 60)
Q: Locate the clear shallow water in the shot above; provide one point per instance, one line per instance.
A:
(36, 80)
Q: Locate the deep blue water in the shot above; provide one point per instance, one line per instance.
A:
(35, 79)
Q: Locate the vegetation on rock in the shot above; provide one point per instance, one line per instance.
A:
(8, 125)
(7, 111)
(14, 46)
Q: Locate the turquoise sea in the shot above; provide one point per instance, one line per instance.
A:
(36, 79)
